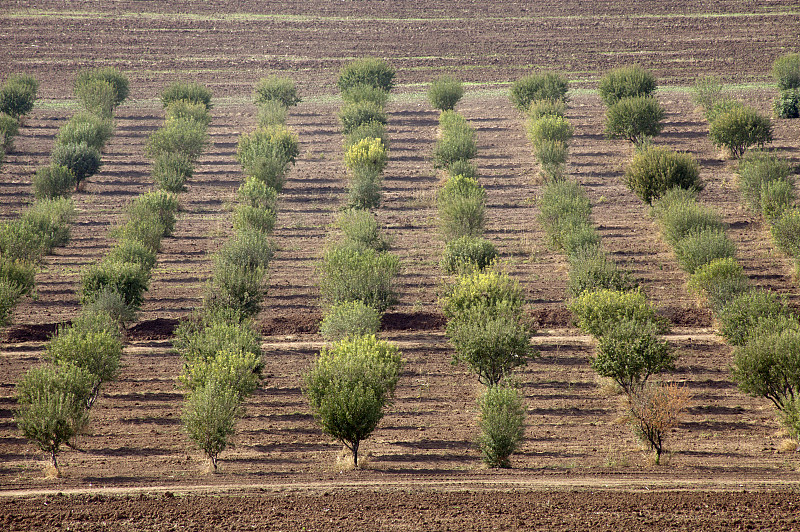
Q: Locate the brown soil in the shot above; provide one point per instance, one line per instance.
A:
(422, 458)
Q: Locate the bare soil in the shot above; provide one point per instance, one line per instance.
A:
(579, 467)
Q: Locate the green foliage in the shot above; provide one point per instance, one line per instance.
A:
(233, 368)
(349, 386)
(26, 81)
(707, 91)
(540, 108)
(147, 230)
(201, 338)
(564, 210)
(131, 280)
(598, 311)
(740, 128)
(349, 319)
(180, 135)
(467, 253)
(368, 130)
(52, 406)
(445, 92)
(9, 127)
(367, 71)
(19, 274)
(502, 424)
(366, 155)
(276, 89)
(786, 232)
(86, 128)
(365, 93)
(539, 86)
(191, 92)
(360, 229)
(81, 159)
(258, 194)
(210, 416)
(464, 168)
(654, 170)
(451, 120)
(552, 155)
(271, 113)
(53, 181)
(461, 206)
(159, 205)
(183, 109)
(482, 290)
(92, 347)
(590, 269)
(10, 294)
(678, 219)
(722, 106)
(787, 104)
(457, 143)
(237, 288)
(740, 316)
(625, 82)
(20, 242)
(776, 197)
(719, 281)
(50, 220)
(110, 75)
(636, 119)
(786, 70)
(365, 190)
(630, 351)
(248, 250)
(171, 170)
(16, 100)
(266, 154)
(549, 127)
(249, 218)
(108, 302)
(351, 274)
(97, 96)
(758, 168)
(699, 247)
(353, 115)
(491, 339)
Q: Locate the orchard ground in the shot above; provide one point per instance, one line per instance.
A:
(579, 467)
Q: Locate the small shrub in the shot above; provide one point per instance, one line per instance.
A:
(353, 115)
(248, 250)
(349, 386)
(629, 352)
(706, 278)
(210, 416)
(127, 278)
(786, 232)
(700, 247)
(552, 156)
(679, 220)
(365, 189)
(266, 154)
(9, 127)
(94, 349)
(232, 368)
(549, 127)
(236, 288)
(654, 411)
(247, 218)
(365, 93)
(455, 144)
(271, 113)
(367, 71)
(563, 204)
(740, 128)
(258, 194)
(757, 168)
(367, 154)
(171, 170)
(483, 290)
(634, 119)
(675, 199)
(707, 91)
(445, 92)
(50, 220)
(18, 274)
(467, 253)
(157, 204)
(590, 269)
(191, 92)
(739, 317)
(502, 424)
(461, 206)
(81, 159)
(109, 302)
(722, 106)
(787, 104)
(183, 109)
(776, 198)
(86, 128)
(596, 312)
(369, 130)
(360, 229)
(577, 236)
(540, 108)
(52, 406)
(350, 319)
(464, 168)
(203, 337)
(655, 170)
(16, 100)
(21, 242)
(147, 230)
(181, 135)
(276, 89)
(786, 71)
(110, 75)
(26, 81)
(451, 121)
(350, 274)
(10, 294)
(625, 82)
(97, 96)
(491, 339)
(539, 86)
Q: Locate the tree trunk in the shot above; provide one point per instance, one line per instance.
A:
(355, 454)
